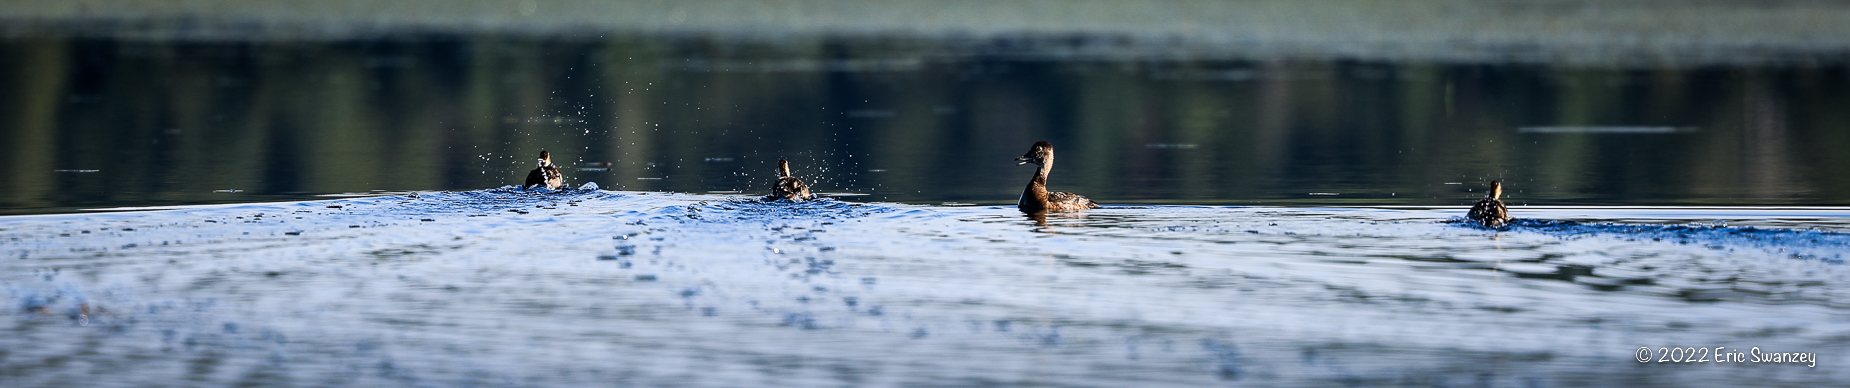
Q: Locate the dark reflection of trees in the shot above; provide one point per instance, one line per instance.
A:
(35, 74)
(1766, 152)
(906, 121)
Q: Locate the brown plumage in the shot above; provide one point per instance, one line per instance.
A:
(1036, 198)
(788, 185)
(1491, 211)
(546, 175)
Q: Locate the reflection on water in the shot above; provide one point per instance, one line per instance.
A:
(585, 287)
(401, 284)
(105, 122)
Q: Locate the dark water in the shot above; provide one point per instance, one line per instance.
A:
(99, 122)
(444, 275)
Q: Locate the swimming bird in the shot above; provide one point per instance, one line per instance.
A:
(546, 175)
(1036, 198)
(1490, 211)
(788, 185)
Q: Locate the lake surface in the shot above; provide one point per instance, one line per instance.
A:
(99, 123)
(333, 208)
(509, 288)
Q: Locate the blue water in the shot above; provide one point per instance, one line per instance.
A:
(503, 287)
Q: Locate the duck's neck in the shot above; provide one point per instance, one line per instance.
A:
(1037, 188)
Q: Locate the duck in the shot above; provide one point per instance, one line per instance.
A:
(1491, 211)
(1036, 198)
(788, 185)
(546, 175)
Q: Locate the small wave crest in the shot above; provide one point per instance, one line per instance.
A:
(678, 206)
(498, 199)
(758, 208)
(1828, 247)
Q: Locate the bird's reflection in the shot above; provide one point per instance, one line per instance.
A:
(1040, 219)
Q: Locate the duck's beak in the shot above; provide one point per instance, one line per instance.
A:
(1020, 160)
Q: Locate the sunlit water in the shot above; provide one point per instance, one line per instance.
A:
(187, 123)
(508, 288)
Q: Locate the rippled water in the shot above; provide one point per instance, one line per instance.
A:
(218, 136)
(502, 287)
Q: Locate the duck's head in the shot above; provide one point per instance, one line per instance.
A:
(1039, 154)
(545, 158)
(1496, 189)
(783, 168)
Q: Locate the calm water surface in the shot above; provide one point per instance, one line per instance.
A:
(321, 213)
(97, 123)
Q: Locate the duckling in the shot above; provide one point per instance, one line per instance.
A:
(1036, 198)
(1490, 211)
(546, 175)
(788, 185)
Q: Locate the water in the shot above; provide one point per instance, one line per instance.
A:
(102, 123)
(224, 193)
(503, 287)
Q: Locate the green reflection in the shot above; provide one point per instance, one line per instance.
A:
(900, 120)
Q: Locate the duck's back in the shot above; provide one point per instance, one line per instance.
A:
(791, 188)
(1060, 202)
(555, 179)
(548, 176)
(1490, 212)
